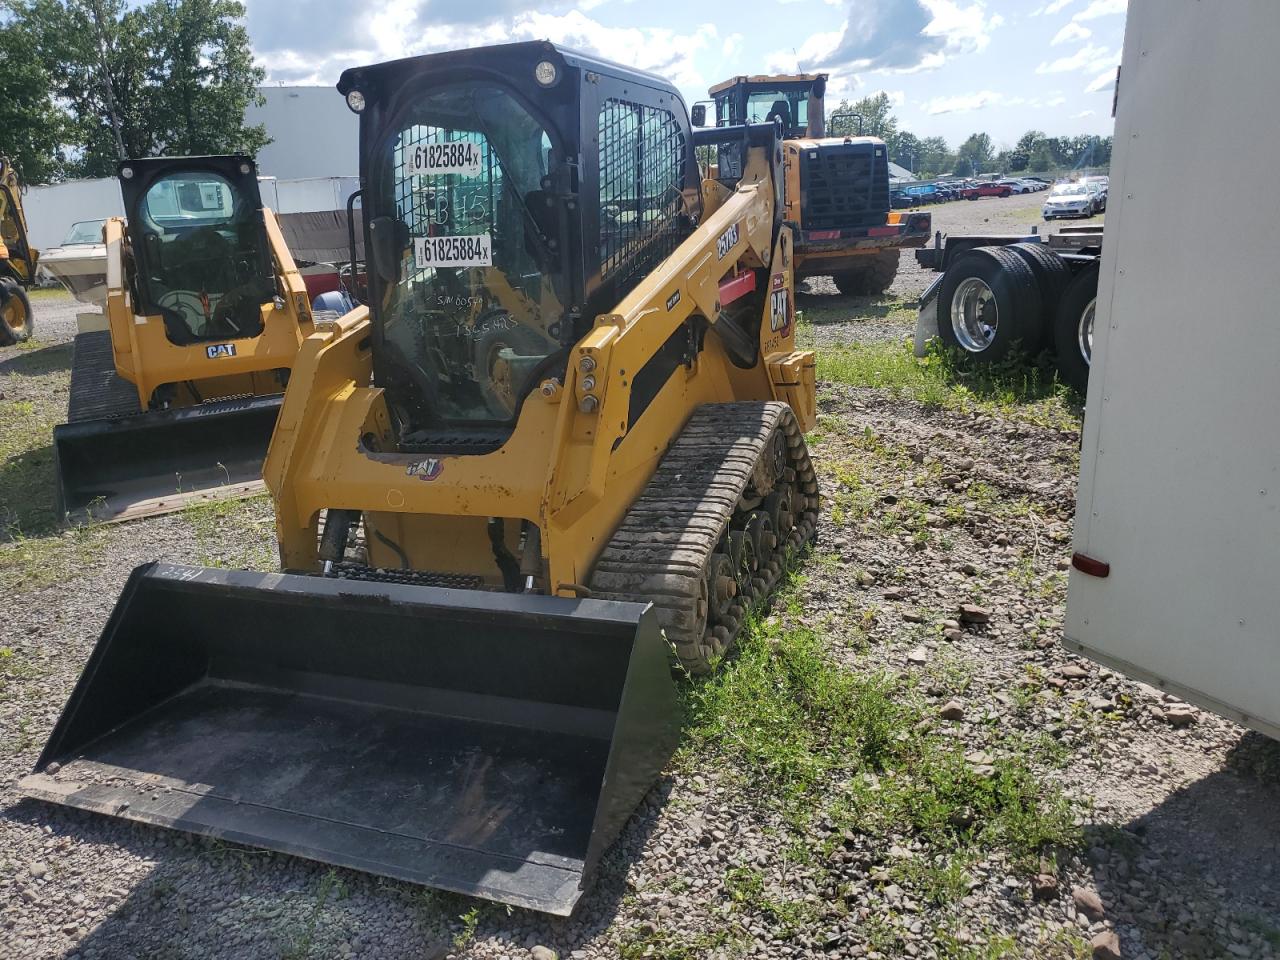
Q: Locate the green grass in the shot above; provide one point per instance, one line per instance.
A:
(1023, 390)
(813, 738)
(234, 533)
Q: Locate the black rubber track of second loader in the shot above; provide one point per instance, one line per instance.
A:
(97, 391)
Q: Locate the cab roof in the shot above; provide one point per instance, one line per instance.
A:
(762, 78)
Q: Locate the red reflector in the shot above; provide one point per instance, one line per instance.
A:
(737, 287)
(1086, 564)
(882, 231)
(823, 235)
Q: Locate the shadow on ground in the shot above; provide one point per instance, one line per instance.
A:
(37, 361)
(210, 898)
(1203, 862)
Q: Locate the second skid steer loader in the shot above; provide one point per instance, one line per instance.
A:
(206, 312)
(568, 422)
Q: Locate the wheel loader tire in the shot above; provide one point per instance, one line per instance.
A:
(697, 543)
(1073, 329)
(1052, 277)
(989, 302)
(15, 315)
(503, 333)
(869, 279)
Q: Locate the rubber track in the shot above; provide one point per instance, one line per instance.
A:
(660, 551)
(97, 391)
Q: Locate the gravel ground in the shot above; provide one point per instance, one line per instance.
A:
(55, 315)
(925, 509)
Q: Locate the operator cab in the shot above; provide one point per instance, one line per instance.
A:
(199, 242)
(510, 194)
(795, 100)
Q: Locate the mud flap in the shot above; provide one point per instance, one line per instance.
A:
(490, 744)
(927, 319)
(156, 462)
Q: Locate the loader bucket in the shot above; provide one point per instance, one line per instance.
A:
(491, 744)
(156, 462)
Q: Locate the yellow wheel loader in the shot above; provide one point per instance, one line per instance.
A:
(206, 311)
(836, 188)
(558, 452)
(18, 260)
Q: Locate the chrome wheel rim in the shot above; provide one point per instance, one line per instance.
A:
(1085, 333)
(974, 315)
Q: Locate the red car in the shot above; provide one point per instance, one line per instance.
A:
(986, 190)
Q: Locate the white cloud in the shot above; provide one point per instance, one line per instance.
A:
(732, 44)
(962, 29)
(1072, 31)
(896, 36)
(1055, 101)
(1087, 58)
(1103, 81)
(1082, 114)
(963, 103)
(1049, 9)
(1102, 8)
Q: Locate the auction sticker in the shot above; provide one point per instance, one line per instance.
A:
(459, 156)
(475, 250)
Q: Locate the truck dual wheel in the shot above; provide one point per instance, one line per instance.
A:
(15, 315)
(873, 275)
(1073, 328)
(1052, 277)
(989, 301)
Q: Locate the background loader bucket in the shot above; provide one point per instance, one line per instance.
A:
(487, 743)
(159, 461)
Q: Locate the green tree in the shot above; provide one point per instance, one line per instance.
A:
(975, 154)
(935, 157)
(907, 150)
(877, 118)
(1028, 142)
(170, 77)
(34, 129)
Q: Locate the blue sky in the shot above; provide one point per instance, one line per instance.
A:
(952, 67)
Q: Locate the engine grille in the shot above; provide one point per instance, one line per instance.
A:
(844, 185)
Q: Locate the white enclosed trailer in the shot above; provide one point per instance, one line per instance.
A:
(1176, 575)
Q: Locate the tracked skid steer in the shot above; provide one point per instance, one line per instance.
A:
(206, 311)
(557, 454)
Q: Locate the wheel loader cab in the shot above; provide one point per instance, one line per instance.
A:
(509, 199)
(199, 245)
(792, 100)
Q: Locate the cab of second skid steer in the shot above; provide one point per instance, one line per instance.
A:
(205, 312)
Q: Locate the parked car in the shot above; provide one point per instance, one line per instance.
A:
(901, 201)
(1017, 186)
(986, 189)
(1099, 187)
(1072, 200)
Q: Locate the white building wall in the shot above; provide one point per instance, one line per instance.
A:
(313, 133)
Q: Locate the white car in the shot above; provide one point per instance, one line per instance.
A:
(1070, 200)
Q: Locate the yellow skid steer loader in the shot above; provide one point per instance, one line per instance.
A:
(569, 426)
(206, 311)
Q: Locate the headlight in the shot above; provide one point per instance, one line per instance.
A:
(545, 73)
(355, 100)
